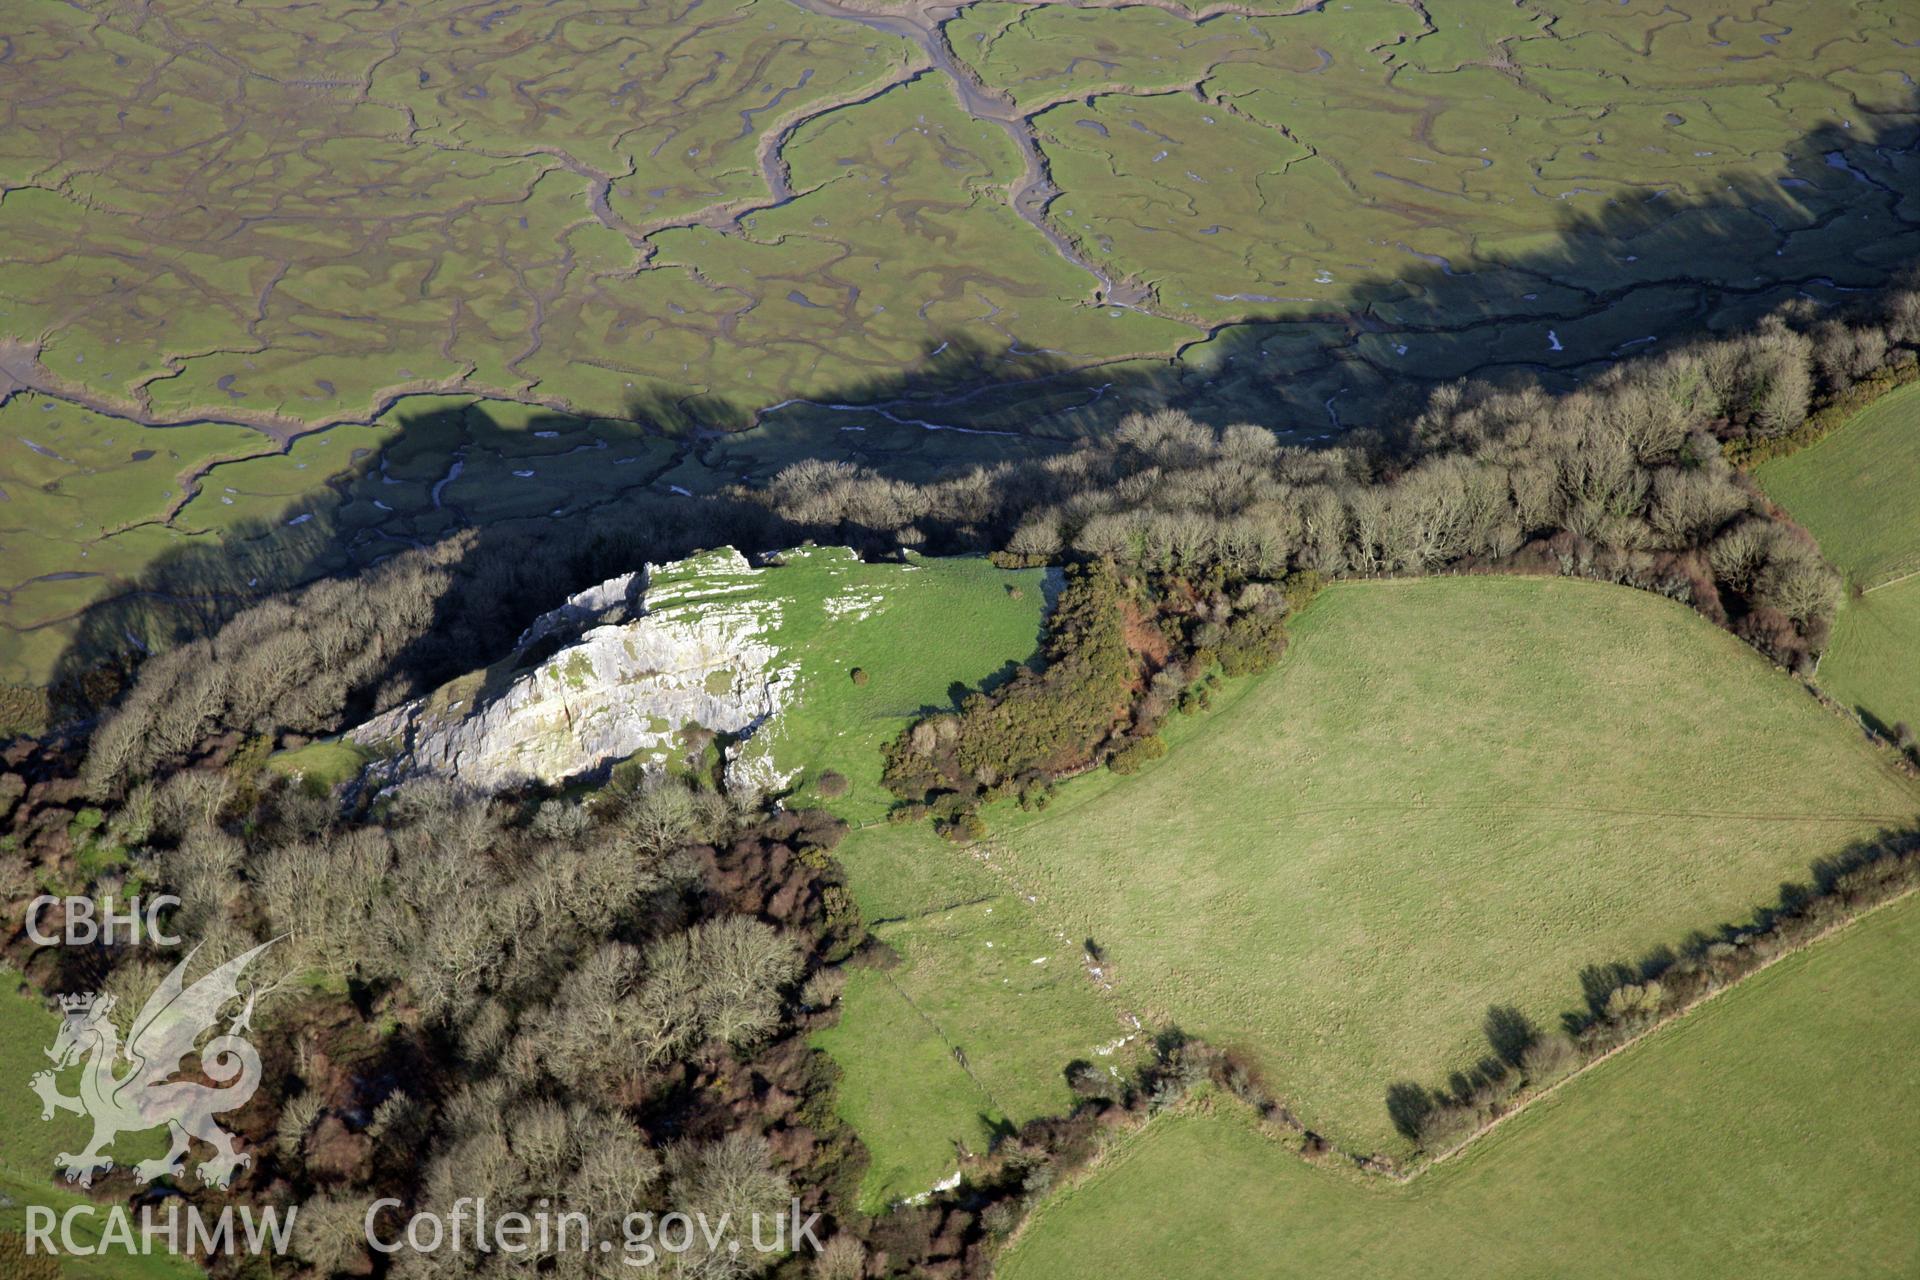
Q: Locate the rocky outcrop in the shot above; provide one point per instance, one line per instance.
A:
(615, 600)
(618, 671)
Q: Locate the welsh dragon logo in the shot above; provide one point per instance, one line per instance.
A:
(142, 1096)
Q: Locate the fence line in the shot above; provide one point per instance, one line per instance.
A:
(1890, 582)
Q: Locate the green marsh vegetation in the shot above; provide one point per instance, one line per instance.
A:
(588, 229)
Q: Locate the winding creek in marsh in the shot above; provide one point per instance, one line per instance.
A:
(1030, 193)
(716, 236)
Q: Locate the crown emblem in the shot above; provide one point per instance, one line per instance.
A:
(131, 1088)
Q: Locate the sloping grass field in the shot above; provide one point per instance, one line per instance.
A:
(1450, 793)
(929, 1068)
(1873, 661)
(1858, 490)
(973, 1028)
(1769, 1133)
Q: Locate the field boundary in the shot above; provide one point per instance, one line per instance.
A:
(1826, 421)
(1126, 1142)
(1678, 1016)
(993, 853)
(1891, 582)
(953, 1047)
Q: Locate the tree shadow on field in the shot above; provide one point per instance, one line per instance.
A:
(1704, 961)
(1879, 728)
(1408, 1106)
(1510, 1032)
(1826, 881)
(653, 482)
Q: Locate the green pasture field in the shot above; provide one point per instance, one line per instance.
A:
(915, 630)
(974, 1027)
(1872, 663)
(28, 1145)
(1858, 491)
(661, 220)
(1767, 1133)
(1450, 793)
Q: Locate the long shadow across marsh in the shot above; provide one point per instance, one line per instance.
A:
(546, 504)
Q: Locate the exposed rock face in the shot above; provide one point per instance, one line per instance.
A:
(698, 653)
(615, 600)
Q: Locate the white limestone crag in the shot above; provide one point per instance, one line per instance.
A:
(615, 600)
(698, 651)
